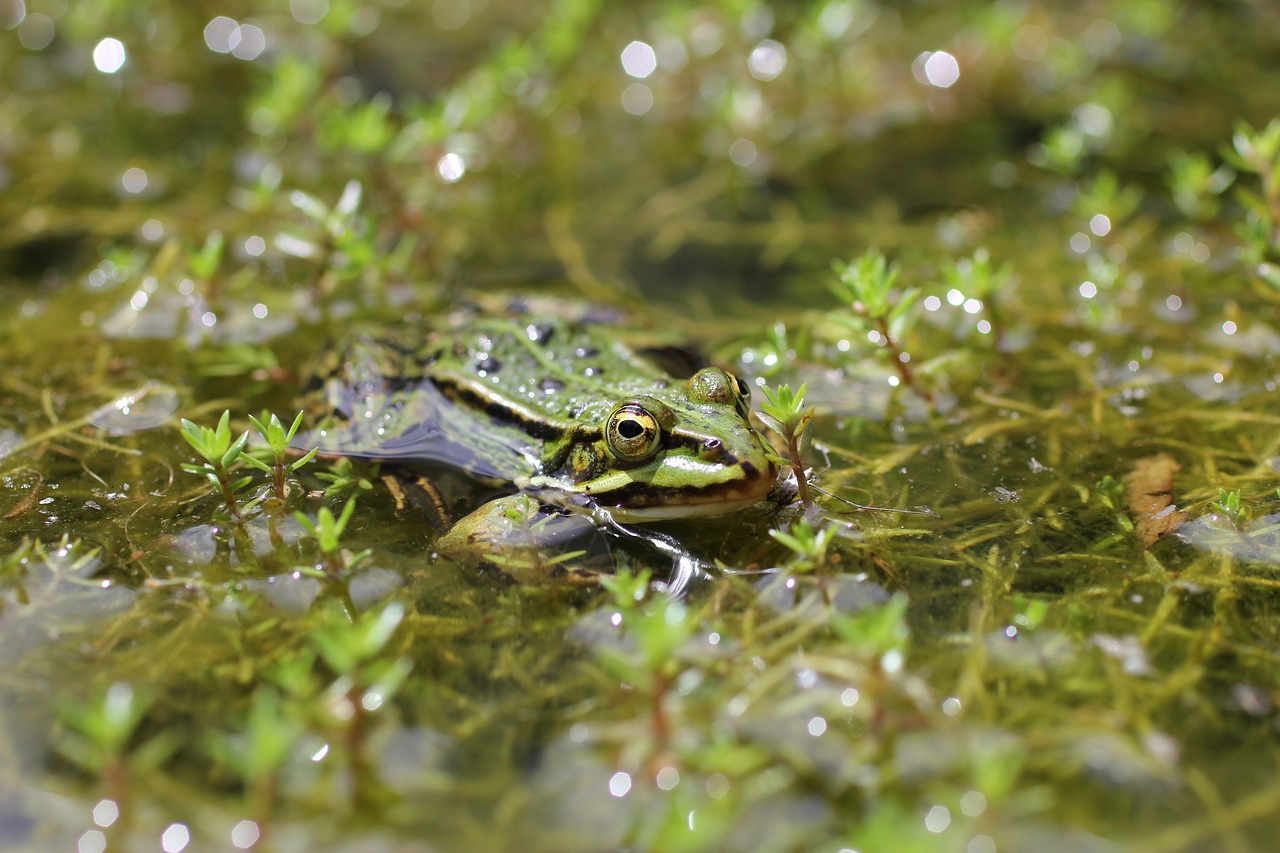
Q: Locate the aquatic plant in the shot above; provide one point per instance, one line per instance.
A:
(866, 287)
(279, 442)
(327, 532)
(220, 452)
(783, 412)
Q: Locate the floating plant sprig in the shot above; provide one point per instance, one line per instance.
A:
(343, 477)
(220, 452)
(259, 751)
(1197, 185)
(809, 544)
(1228, 503)
(783, 412)
(327, 530)
(977, 277)
(866, 286)
(101, 736)
(278, 441)
(1257, 152)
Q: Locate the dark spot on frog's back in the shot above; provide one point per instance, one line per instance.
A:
(550, 386)
(586, 352)
(488, 364)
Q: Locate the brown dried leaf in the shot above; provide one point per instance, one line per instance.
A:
(1149, 497)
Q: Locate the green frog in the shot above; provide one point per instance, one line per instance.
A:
(558, 410)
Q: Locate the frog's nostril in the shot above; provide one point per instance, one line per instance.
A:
(712, 449)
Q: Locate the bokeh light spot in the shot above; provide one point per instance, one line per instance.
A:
(639, 60)
(222, 34)
(134, 180)
(251, 43)
(938, 819)
(109, 56)
(245, 834)
(973, 803)
(11, 13)
(106, 812)
(451, 14)
(743, 152)
(637, 99)
(35, 32)
(767, 60)
(308, 11)
(936, 68)
(451, 167)
(175, 838)
(92, 841)
(620, 784)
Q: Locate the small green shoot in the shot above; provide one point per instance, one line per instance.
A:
(349, 648)
(1062, 150)
(878, 632)
(978, 278)
(338, 238)
(13, 567)
(203, 263)
(1257, 152)
(278, 440)
(1109, 493)
(259, 751)
(1104, 195)
(1228, 503)
(327, 531)
(1197, 185)
(866, 286)
(220, 451)
(660, 627)
(368, 669)
(343, 478)
(809, 545)
(100, 738)
(783, 412)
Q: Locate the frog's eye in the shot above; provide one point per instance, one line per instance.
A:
(632, 433)
(744, 390)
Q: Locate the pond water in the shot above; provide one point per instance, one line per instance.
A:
(1034, 606)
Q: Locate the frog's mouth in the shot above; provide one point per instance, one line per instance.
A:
(642, 502)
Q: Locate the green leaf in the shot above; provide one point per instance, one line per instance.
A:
(311, 454)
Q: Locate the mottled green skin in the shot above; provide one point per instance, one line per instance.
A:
(527, 400)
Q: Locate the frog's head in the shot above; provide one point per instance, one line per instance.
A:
(692, 452)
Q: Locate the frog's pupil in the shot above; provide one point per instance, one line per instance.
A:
(630, 429)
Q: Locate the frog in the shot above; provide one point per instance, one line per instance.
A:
(558, 412)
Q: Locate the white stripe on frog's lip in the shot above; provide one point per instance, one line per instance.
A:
(640, 515)
(740, 496)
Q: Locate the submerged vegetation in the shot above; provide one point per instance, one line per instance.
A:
(1003, 276)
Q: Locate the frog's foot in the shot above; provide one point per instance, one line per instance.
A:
(520, 540)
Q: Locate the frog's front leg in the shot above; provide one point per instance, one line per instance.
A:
(520, 540)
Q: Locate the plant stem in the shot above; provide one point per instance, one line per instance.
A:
(797, 465)
(905, 372)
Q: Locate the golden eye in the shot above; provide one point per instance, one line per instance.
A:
(632, 433)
